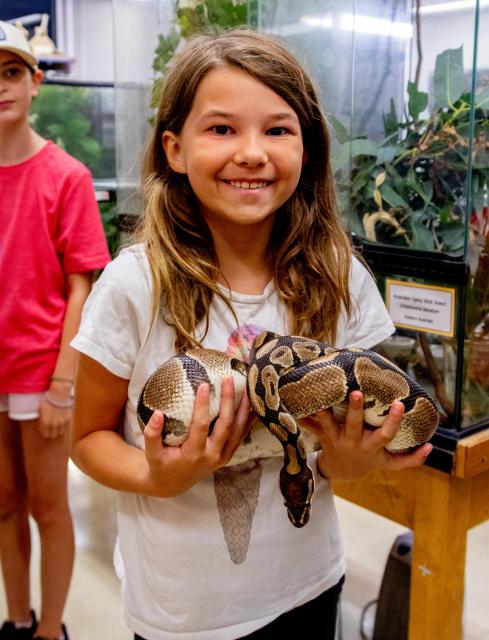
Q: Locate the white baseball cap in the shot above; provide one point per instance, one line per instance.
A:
(12, 39)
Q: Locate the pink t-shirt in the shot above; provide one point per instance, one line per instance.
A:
(50, 226)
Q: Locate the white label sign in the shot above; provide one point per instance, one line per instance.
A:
(421, 307)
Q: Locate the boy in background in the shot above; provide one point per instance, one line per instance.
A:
(51, 241)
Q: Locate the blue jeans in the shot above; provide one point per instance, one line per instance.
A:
(315, 620)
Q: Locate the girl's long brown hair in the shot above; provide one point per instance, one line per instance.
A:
(309, 251)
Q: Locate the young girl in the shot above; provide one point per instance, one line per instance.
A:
(51, 240)
(239, 235)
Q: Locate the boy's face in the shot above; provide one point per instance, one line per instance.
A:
(18, 85)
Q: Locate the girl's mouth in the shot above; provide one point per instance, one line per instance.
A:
(249, 184)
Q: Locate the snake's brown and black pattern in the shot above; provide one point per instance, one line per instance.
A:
(288, 378)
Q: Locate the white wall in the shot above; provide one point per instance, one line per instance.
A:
(85, 32)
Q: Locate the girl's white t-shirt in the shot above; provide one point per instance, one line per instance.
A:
(222, 559)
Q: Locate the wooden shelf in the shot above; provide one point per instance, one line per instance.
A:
(440, 508)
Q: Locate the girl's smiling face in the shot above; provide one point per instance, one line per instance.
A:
(241, 149)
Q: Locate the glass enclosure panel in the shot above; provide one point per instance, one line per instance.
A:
(475, 390)
(395, 78)
(357, 54)
(399, 83)
(409, 184)
(80, 119)
(155, 29)
(139, 23)
(451, 363)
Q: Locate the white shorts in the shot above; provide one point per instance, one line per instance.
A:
(21, 406)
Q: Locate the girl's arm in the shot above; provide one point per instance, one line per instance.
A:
(54, 420)
(160, 471)
(349, 451)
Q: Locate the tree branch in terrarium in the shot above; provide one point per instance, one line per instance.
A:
(436, 377)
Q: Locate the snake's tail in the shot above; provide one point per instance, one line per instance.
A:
(237, 489)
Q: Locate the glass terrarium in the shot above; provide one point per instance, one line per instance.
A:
(79, 116)
(405, 86)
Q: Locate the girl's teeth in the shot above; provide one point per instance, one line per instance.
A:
(248, 185)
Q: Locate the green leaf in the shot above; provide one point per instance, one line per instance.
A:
(387, 154)
(360, 180)
(392, 197)
(341, 132)
(391, 123)
(156, 92)
(165, 50)
(61, 115)
(421, 237)
(428, 189)
(207, 13)
(397, 180)
(445, 215)
(482, 99)
(449, 77)
(452, 236)
(358, 147)
(418, 100)
(415, 184)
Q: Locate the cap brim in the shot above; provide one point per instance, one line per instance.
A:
(26, 57)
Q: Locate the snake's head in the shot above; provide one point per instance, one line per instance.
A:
(297, 490)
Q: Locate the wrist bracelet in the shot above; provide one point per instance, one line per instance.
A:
(61, 379)
(59, 404)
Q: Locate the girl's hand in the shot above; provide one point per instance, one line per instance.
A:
(173, 470)
(349, 451)
(55, 421)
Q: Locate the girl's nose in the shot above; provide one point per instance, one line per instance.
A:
(250, 153)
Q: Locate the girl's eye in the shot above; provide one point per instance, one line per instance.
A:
(221, 129)
(12, 72)
(277, 131)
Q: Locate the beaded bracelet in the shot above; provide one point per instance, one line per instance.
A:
(59, 404)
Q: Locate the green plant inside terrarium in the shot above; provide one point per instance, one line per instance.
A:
(67, 115)
(424, 187)
(60, 114)
(410, 189)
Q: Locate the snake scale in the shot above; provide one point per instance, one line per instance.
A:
(288, 378)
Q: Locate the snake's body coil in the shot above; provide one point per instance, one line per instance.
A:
(288, 378)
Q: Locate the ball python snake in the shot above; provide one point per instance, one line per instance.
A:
(288, 378)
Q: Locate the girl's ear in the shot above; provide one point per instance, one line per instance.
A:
(173, 149)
